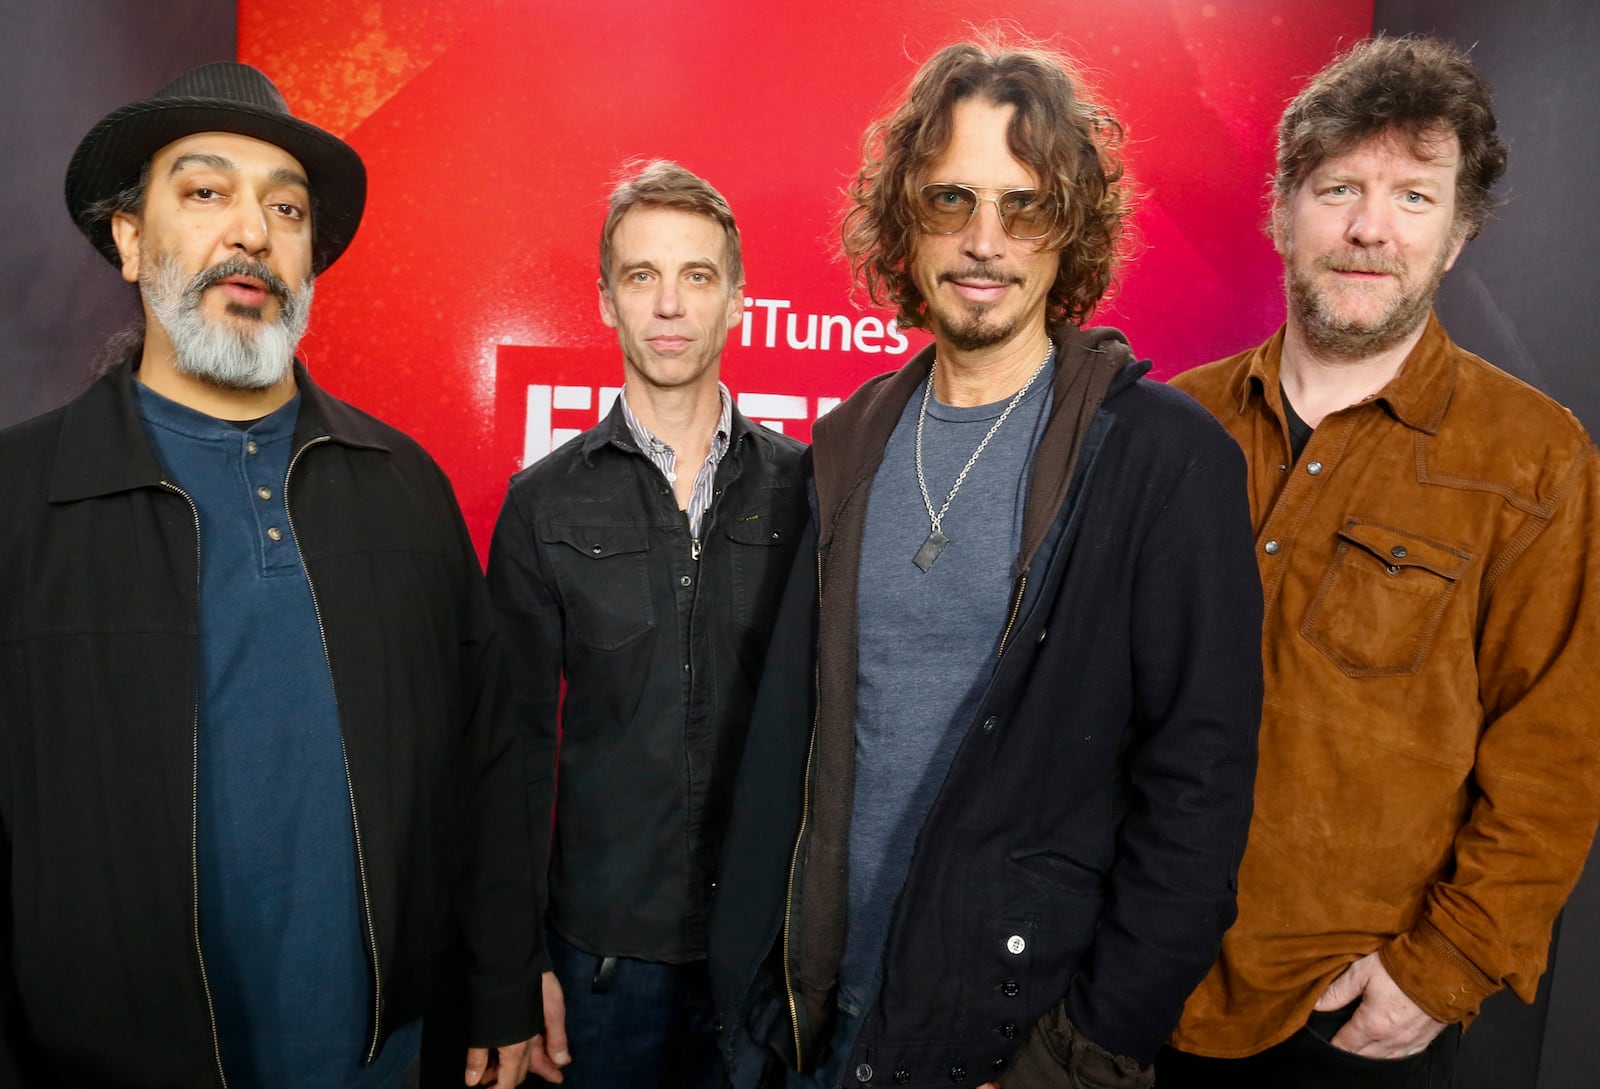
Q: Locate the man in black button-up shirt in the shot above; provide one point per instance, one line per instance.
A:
(640, 564)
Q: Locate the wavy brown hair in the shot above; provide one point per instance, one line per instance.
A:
(1415, 87)
(1067, 139)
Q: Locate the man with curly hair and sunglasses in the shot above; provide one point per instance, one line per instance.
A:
(999, 773)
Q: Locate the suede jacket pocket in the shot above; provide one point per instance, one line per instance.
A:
(1382, 599)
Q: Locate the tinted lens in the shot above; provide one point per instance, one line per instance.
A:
(946, 208)
(1026, 213)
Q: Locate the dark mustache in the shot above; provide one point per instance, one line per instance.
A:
(979, 272)
(238, 266)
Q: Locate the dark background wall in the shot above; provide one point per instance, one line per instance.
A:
(1521, 295)
(63, 65)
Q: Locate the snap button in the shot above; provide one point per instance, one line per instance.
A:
(1008, 1029)
(1015, 944)
(864, 1072)
(776, 536)
(251, 447)
(1011, 988)
(1393, 569)
(275, 533)
(1314, 468)
(958, 1071)
(686, 580)
(1270, 548)
(998, 1066)
(1398, 552)
(597, 550)
(1041, 634)
(902, 1076)
(264, 492)
(989, 724)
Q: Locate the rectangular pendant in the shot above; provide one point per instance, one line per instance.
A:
(928, 554)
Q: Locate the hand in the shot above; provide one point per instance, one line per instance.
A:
(508, 1068)
(548, 1051)
(1387, 1024)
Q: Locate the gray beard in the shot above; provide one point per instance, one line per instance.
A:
(252, 356)
(1330, 335)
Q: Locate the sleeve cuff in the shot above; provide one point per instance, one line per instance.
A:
(1436, 975)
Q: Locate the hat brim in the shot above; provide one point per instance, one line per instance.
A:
(111, 157)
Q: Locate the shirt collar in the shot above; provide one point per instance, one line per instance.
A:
(646, 441)
(1417, 396)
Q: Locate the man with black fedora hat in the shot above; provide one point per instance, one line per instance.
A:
(259, 797)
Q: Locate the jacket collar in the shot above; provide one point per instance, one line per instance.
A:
(1417, 396)
(614, 431)
(857, 431)
(104, 449)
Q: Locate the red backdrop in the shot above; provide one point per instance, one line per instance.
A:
(465, 311)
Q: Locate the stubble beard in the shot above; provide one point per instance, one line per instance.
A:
(1331, 334)
(251, 353)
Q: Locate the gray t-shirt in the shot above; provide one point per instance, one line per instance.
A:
(927, 640)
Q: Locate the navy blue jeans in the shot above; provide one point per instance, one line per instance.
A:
(636, 1024)
(1307, 1060)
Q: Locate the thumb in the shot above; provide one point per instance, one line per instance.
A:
(477, 1063)
(1345, 989)
(555, 1022)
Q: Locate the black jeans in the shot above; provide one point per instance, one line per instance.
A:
(1307, 1060)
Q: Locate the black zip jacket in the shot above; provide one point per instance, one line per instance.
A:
(660, 640)
(1073, 880)
(102, 981)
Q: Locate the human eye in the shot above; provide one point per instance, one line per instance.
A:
(1019, 200)
(946, 198)
(288, 209)
(204, 194)
(1414, 198)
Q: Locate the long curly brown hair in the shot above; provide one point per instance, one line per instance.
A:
(1068, 140)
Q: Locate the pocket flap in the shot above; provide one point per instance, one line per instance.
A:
(757, 528)
(1397, 548)
(598, 542)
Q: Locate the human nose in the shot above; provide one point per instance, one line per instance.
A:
(1370, 222)
(247, 229)
(669, 300)
(985, 236)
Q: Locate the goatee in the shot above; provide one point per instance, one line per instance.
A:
(249, 353)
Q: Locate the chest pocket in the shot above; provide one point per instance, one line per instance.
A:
(604, 576)
(1381, 602)
(761, 544)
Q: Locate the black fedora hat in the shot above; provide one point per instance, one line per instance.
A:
(223, 97)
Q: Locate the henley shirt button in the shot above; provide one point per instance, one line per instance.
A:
(251, 447)
(958, 1071)
(1398, 552)
(685, 580)
(1314, 468)
(1011, 988)
(902, 1076)
(264, 492)
(864, 1072)
(1015, 945)
(1270, 548)
(989, 724)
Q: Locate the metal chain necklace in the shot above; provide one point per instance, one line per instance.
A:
(928, 554)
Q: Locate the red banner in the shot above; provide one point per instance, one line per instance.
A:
(465, 312)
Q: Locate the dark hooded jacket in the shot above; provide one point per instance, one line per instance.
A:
(1074, 877)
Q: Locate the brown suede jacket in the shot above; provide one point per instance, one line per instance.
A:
(1429, 776)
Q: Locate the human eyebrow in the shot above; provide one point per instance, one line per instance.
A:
(285, 176)
(201, 159)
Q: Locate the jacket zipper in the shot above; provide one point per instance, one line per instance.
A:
(350, 787)
(194, 817)
(794, 856)
(1011, 621)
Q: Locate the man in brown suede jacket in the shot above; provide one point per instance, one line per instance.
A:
(1425, 524)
